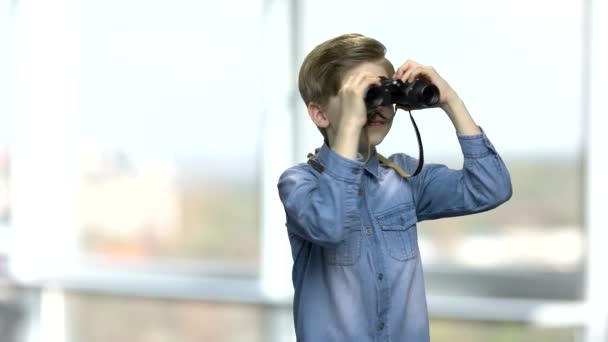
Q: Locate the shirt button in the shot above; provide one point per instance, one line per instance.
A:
(380, 325)
(360, 192)
(368, 231)
(355, 171)
(380, 276)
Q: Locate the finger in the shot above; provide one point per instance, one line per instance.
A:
(354, 83)
(428, 73)
(367, 77)
(404, 68)
(367, 81)
(411, 74)
(348, 82)
(357, 84)
(375, 80)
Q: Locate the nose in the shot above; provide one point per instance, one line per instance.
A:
(374, 111)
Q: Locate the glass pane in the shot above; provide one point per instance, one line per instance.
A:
(95, 318)
(4, 202)
(8, 85)
(539, 228)
(518, 68)
(472, 331)
(169, 131)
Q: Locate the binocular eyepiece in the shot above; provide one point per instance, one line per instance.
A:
(416, 95)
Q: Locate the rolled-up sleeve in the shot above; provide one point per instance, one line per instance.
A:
(321, 206)
(482, 184)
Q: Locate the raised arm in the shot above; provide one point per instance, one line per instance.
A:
(483, 182)
(321, 207)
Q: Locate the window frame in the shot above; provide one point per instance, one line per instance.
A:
(273, 286)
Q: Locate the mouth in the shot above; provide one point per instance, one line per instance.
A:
(376, 120)
(376, 124)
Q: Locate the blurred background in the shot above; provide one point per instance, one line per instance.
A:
(141, 143)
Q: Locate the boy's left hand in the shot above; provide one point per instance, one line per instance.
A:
(410, 71)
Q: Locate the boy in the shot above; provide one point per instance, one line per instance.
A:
(351, 214)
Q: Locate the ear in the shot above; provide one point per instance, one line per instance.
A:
(317, 115)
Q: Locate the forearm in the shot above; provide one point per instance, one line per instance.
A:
(460, 117)
(482, 184)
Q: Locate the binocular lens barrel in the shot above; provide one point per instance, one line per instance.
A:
(417, 95)
(429, 95)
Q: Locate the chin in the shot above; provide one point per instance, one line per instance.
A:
(376, 139)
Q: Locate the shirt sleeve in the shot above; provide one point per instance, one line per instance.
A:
(321, 206)
(482, 184)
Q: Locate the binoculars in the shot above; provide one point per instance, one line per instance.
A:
(415, 95)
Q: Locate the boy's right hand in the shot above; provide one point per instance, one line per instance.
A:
(352, 113)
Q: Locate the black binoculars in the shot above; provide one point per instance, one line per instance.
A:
(416, 95)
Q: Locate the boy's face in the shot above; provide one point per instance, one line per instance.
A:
(381, 119)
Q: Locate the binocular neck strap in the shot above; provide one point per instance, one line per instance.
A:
(420, 163)
(316, 165)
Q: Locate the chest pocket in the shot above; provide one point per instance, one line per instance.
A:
(346, 252)
(398, 226)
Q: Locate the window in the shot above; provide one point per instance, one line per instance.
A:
(169, 126)
(510, 70)
(137, 168)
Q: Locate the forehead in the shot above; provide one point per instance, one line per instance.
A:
(373, 68)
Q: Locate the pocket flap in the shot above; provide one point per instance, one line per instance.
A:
(398, 220)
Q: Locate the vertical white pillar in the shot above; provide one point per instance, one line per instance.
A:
(277, 155)
(52, 317)
(597, 175)
(7, 102)
(44, 165)
(44, 168)
(277, 152)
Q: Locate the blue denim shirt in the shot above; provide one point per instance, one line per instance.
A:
(357, 272)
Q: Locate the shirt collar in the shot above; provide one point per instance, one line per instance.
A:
(371, 166)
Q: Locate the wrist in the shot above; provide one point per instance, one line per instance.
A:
(346, 140)
(461, 118)
(349, 128)
(453, 105)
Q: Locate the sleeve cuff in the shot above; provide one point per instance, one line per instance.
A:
(476, 146)
(343, 168)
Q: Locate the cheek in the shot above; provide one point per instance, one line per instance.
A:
(391, 118)
(388, 127)
(388, 112)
